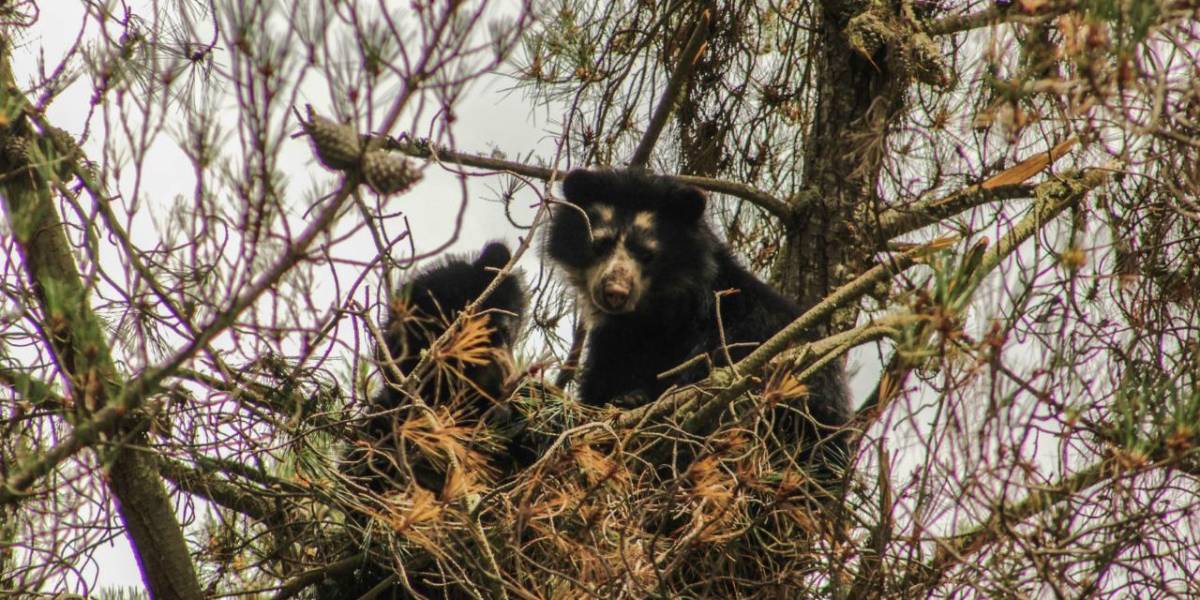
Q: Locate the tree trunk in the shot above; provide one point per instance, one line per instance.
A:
(78, 344)
(842, 162)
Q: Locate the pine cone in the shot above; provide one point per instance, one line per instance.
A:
(63, 150)
(388, 173)
(64, 143)
(336, 145)
(16, 150)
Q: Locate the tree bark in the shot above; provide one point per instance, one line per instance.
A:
(78, 343)
(855, 97)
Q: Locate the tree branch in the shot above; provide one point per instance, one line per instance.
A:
(1000, 13)
(79, 346)
(1053, 198)
(421, 149)
(955, 550)
(675, 85)
(221, 493)
(895, 222)
(1007, 184)
(782, 210)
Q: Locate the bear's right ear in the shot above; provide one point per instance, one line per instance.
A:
(688, 203)
(494, 255)
(582, 187)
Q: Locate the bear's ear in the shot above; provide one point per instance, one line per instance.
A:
(494, 255)
(582, 187)
(687, 203)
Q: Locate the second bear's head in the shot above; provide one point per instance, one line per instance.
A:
(631, 242)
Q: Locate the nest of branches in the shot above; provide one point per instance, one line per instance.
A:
(604, 509)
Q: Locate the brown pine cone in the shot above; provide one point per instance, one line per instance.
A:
(388, 173)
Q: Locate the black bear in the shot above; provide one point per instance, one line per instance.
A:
(470, 379)
(647, 269)
(426, 306)
(470, 374)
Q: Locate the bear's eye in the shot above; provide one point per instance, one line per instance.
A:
(641, 251)
(602, 245)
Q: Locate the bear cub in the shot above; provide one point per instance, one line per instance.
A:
(425, 307)
(647, 268)
(472, 378)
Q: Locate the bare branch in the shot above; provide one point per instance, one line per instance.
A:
(1003, 186)
(675, 85)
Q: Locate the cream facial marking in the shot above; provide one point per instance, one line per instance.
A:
(616, 284)
(599, 233)
(644, 220)
(602, 214)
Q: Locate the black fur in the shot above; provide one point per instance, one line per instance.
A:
(428, 303)
(421, 311)
(675, 317)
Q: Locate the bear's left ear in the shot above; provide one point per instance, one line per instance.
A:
(688, 203)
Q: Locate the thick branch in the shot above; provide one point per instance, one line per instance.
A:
(895, 222)
(79, 346)
(221, 493)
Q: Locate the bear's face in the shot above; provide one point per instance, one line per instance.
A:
(624, 248)
(625, 239)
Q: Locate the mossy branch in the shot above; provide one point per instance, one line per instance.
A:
(76, 339)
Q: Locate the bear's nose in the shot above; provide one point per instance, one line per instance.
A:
(615, 294)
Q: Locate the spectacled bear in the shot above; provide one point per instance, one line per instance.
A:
(647, 269)
(471, 377)
(428, 303)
